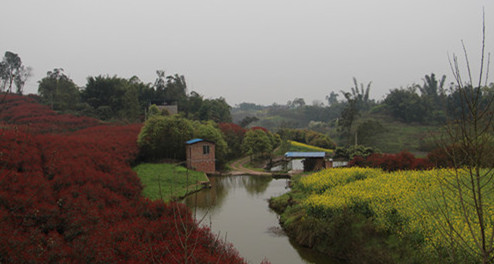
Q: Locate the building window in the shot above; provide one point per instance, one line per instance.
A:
(205, 150)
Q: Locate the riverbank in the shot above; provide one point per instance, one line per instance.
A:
(350, 233)
(236, 206)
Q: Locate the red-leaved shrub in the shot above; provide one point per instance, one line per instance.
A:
(72, 197)
(392, 162)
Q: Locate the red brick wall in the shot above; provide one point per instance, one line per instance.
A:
(199, 161)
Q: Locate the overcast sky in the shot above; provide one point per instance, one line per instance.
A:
(259, 51)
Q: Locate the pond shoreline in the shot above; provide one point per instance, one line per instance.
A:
(237, 205)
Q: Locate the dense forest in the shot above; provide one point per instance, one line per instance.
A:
(116, 98)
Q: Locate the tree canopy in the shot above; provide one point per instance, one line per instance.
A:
(13, 73)
(58, 91)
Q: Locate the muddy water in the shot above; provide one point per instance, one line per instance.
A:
(236, 207)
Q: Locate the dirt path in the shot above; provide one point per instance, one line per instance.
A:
(239, 169)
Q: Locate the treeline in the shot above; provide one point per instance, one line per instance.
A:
(116, 98)
(428, 103)
(351, 115)
(69, 195)
(431, 102)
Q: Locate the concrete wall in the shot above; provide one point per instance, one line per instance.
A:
(296, 164)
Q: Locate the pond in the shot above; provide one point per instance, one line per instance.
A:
(236, 208)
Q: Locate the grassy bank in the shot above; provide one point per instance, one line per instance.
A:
(367, 215)
(168, 181)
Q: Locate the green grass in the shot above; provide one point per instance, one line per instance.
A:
(399, 136)
(255, 166)
(167, 181)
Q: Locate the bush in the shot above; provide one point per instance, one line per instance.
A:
(164, 137)
(353, 151)
(73, 198)
(391, 162)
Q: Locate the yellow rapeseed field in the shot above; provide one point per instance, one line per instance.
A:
(404, 202)
(309, 147)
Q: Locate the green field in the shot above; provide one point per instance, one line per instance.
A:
(400, 136)
(168, 181)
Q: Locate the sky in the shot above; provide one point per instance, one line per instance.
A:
(258, 51)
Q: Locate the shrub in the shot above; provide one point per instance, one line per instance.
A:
(73, 198)
(391, 162)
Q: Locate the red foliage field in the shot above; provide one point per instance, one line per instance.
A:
(25, 112)
(392, 162)
(72, 197)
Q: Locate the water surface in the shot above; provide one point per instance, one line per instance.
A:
(236, 207)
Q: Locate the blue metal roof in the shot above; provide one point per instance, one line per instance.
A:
(195, 140)
(305, 154)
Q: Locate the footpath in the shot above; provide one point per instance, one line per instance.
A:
(239, 168)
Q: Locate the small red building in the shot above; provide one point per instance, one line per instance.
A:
(200, 155)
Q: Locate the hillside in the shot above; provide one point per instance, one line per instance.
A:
(69, 195)
(391, 135)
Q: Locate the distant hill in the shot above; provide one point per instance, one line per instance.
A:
(381, 131)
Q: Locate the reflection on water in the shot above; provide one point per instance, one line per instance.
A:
(236, 207)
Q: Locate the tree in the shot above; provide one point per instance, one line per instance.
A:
(353, 151)
(234, 135)
(153, 110)
(433, 96)
(405, 104)
(332, 98)
(348, 116)
(215, 109)
(361, 96)
(256, 143)
(170, 89)
(130, 104)
(115, 97)
(469, 188)
(12, 72)
(164, 137)
(296, 103)
(209, 131)
(58, 90)
(367, 130)
(176, 88)
(160, 85)
(247, 120)
(433, 89)
(194, 103)
(104, 91)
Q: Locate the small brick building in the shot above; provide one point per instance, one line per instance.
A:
(200, 155)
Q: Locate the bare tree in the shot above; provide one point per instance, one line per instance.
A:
(464, 202)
